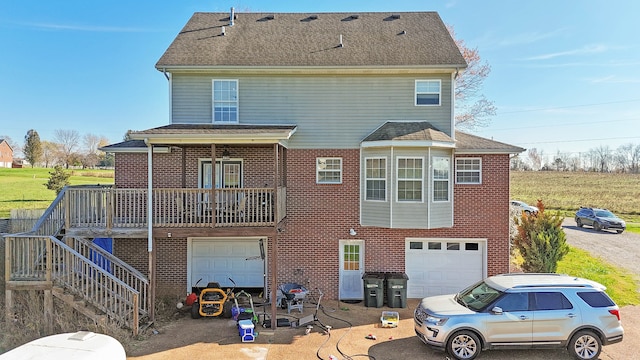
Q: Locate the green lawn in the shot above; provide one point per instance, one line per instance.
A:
(25, 188)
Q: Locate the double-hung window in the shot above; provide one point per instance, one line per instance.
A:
(376, 179)
(468, 170)
(225, 101)
(428, 92)
(441, 171)
(410, 179)
(329, 170)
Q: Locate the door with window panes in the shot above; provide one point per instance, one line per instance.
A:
(228, 175)
(351, 269)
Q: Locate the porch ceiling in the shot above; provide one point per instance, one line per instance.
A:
(215, 134)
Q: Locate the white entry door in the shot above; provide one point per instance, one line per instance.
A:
(351, 269)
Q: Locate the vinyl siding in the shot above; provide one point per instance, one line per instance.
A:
(410, 215)
(330, 111)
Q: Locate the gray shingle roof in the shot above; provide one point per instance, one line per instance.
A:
(408, 130)
(476, 144)
(370, 39)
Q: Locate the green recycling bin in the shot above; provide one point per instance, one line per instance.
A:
(396, 290)
(373, 289)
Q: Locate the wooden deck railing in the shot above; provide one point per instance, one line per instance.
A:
(40, 259)
(174, 207)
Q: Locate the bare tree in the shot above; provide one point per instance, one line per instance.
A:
(472, 108)
(69, 141)
(622, 157)
(536, 158)
(49, 153)
(602, 158)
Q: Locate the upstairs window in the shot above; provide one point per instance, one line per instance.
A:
(225, 101)
(329, 170)
(441, 171)
(410, 179)
(375, 179)
(428, 92)
(468, 170)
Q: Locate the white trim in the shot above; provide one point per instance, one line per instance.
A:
(386, 179)
(433, 180)
(415, 92)
(213, 102)
(453, 104)
(341, 170)
(408, 143)
(361, 262)
(170, 97)
(455, 170)
(422, 179)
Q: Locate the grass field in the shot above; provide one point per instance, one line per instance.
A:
(567, 191)
(25, 188)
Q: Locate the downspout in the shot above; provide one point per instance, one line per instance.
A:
(392, 198)
(152, 278)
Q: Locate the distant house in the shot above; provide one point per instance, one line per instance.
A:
(6, 154)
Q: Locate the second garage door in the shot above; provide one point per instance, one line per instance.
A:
(217, 260)
(443, 266)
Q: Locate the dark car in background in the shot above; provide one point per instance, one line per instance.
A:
(599, 219)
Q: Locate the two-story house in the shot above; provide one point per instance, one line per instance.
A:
(306, 148)
(6, 154)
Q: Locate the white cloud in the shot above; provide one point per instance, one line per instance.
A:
(589, 49)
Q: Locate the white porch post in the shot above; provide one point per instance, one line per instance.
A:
(152, 281)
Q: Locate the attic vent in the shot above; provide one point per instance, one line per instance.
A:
(354, 16)
(392, 17)
(310, 18)
(266, 18)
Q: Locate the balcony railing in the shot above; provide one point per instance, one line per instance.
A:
(104, 207)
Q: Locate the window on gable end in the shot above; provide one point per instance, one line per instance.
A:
(375, 179)
(468, 170)
(428, 92)
(329, 170)
(225, 101)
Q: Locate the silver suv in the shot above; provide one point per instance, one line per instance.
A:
(523, 311)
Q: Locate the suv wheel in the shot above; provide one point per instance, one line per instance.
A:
(464, 345)
(585, 345)
(597, 226)
(579, 222)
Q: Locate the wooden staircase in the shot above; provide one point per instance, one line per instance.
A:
(83, 275)
(79, 305)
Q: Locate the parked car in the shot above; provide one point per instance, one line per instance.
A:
(523, 206)
(599, 219)
(521, 310)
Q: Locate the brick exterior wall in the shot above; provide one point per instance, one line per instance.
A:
(6, 154)
(318, 216)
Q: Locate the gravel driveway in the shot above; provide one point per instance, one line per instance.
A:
(622, 250)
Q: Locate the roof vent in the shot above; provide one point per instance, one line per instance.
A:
(310, 18)
(403, 32)
(223, 31)
(392, 17)
(354, 16)
(232, 17)
(341, 44)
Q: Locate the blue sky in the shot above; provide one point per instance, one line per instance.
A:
(564, 73)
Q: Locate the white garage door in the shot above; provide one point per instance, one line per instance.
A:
(443, 266)
(217, 260)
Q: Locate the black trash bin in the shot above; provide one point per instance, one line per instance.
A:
(396, 290)
(373, 289)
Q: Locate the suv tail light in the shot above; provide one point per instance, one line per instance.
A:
(615, 312)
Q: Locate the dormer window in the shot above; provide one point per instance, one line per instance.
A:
(428, 92)
(225, 101)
